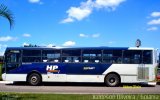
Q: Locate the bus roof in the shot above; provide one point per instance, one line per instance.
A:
(96, 48)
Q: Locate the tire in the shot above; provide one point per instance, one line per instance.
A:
(34, 79)
(112, 80)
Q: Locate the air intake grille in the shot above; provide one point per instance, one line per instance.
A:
(143, 73)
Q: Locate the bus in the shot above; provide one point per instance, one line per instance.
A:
(109, 65)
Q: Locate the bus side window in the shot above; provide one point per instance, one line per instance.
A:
(76, 59)
(119, 60)
(132, 56)
(71, 55)
(31, 56)
(107, 56)
(117, 56)
(92, 56)
(147, 57)
(53, 56)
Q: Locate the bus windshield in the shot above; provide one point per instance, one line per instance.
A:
(12, 59)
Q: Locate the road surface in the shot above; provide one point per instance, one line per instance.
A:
(80, 88)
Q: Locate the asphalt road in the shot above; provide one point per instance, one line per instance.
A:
(80, 88)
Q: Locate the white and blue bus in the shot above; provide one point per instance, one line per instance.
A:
(109, 65)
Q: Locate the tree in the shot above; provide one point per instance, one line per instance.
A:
(6, 13)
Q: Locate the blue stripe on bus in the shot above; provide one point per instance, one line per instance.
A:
(64, 68)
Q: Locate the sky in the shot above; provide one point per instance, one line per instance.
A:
(81, 23)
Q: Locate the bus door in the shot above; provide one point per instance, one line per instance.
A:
(12, 59)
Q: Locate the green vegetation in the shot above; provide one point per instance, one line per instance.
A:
(29, 96)
(6, 13)
(25, 96)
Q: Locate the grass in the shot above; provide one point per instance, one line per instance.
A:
(26, 96)
(32, 96)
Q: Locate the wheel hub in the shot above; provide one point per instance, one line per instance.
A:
(34, 79)
(112, 80)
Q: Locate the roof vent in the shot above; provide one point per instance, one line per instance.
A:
(138, 43)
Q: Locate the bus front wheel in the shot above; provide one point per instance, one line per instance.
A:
(112, 80)
(34, 79)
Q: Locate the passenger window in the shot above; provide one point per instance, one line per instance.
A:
(112, 56)
(107, 56)
(132, 57)
(92, 56)
(147, 57)
(31, 52)
(71, 56)
(31, 59)
(31, 56)
(117, 56)
(51, 55)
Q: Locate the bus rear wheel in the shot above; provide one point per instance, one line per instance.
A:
(34, 79)
(112, 80)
